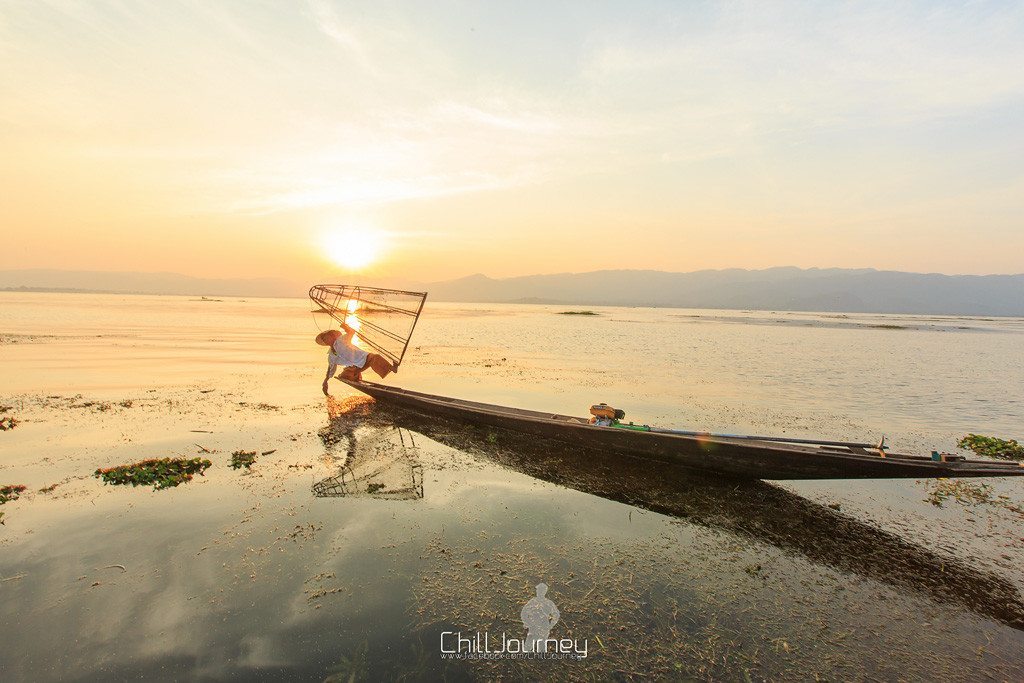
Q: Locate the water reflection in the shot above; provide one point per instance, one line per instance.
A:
(379, 463)
(755, 510)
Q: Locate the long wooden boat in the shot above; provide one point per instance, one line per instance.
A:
(731, 456)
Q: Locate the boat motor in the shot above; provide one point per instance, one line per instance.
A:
(604, 415)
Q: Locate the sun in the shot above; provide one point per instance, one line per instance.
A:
(354, 248)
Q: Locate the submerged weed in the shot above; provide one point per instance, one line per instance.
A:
(968, 494)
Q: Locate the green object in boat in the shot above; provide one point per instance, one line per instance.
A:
(635, 428)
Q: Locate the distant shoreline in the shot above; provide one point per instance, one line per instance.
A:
(75, 290)
(235, 298)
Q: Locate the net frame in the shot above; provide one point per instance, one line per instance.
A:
(336, 301)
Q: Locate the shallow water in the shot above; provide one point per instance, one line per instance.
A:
(662, 573)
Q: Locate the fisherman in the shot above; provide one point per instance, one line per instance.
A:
(346, 354)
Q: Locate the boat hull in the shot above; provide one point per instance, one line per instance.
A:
(723, 456)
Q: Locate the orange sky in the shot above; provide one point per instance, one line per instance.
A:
(236, 140)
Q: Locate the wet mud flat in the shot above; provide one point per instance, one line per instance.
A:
(357, 536)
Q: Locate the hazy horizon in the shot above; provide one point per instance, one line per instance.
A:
(356, 275)
(317, 141)
(787, 288)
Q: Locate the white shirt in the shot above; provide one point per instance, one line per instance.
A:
(345, 354)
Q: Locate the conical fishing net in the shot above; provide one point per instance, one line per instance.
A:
(383, 319)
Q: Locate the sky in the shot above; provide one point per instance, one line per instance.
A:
(433, 140)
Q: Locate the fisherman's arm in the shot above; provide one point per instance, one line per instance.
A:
(332, 367)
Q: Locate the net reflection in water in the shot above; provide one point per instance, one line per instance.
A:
(384, 464)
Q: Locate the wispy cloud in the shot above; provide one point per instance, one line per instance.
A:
(835, 63)
(769, 114)
(289, 194)
(343, 35)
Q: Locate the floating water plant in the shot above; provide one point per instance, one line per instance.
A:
(968, 494)
(10, 492)
(992, 447)
(162, 473)
(577, 313)
(240, 459)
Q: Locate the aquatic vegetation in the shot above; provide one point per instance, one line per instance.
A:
(49, 489)
(353, 667)
(258, 406)
(969, 494)
(100, 406)
(620, 613)
(9, 422)
(577, 313)
(10, 492)
(162, 473)
(992, 447)
(373, 487)
(240, 459)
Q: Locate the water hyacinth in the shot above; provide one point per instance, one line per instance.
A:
(1004, 449)
(240, 459)
(10, 492)
(162, 473)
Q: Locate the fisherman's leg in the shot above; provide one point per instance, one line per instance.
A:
(380, 365)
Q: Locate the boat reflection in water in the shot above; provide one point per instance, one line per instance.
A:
(751, 509)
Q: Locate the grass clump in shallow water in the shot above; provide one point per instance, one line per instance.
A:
(577, 313)
(10, 492)
(162, 473)
(969, 494)
(992, 447)
(240, 459)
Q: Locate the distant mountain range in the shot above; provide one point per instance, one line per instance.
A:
(790, 289)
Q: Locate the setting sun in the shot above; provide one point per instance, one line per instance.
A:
(354, 247)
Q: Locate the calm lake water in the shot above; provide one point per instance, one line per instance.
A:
(362, 535)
